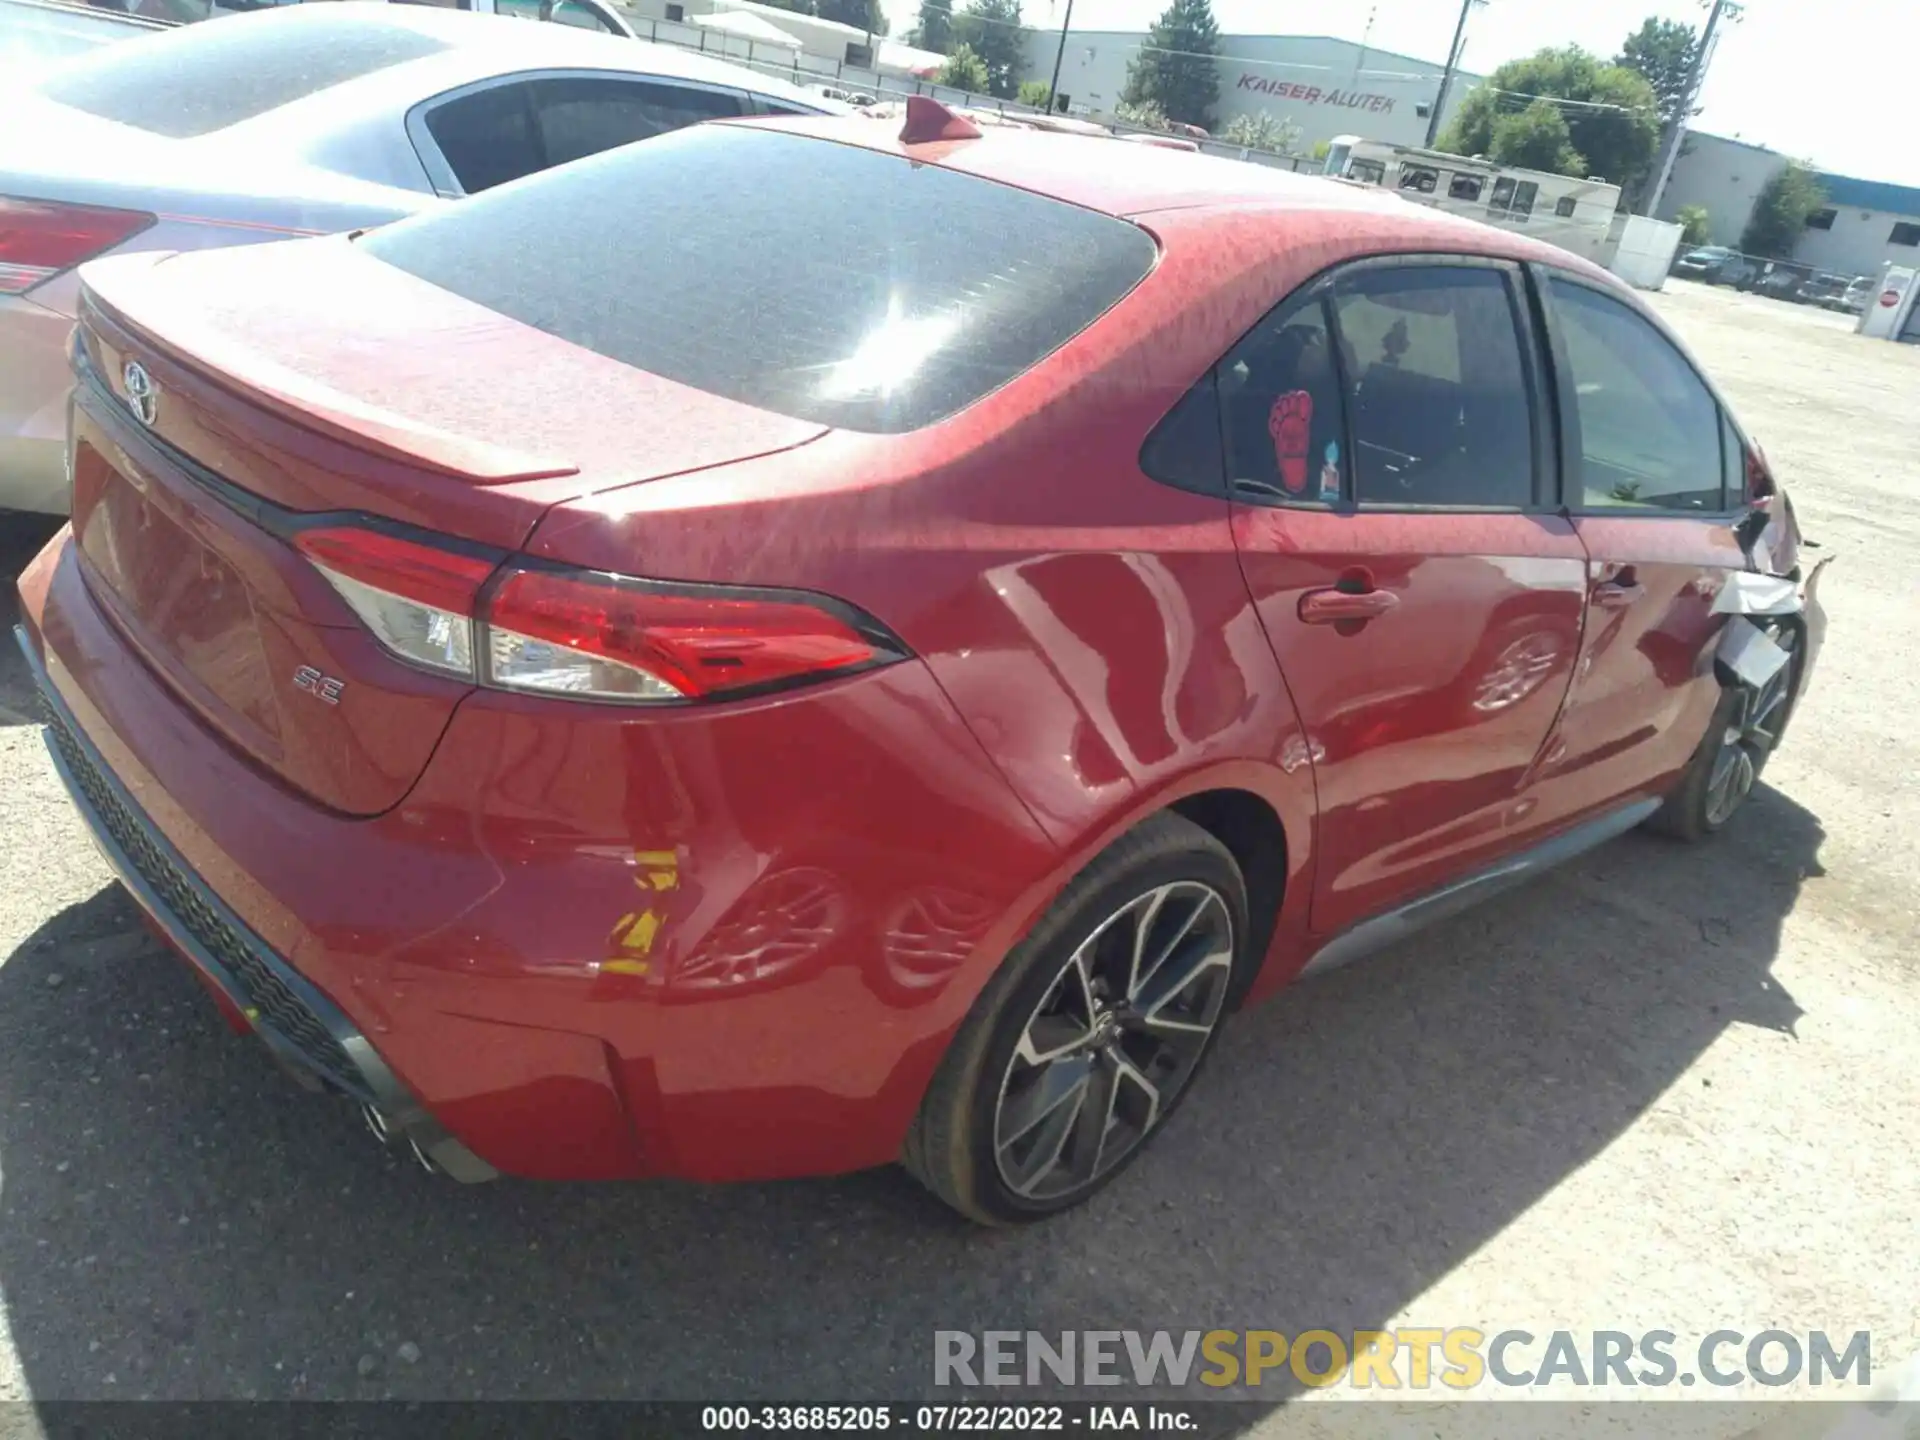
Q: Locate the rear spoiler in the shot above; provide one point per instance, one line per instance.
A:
(109, 288)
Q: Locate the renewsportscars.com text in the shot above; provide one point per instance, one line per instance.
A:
(1458, 1358)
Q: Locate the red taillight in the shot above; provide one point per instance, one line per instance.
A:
(417, 599)
(40, 238)
(583, 633)
(1759, 476)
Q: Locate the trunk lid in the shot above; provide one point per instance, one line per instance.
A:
(226, 397)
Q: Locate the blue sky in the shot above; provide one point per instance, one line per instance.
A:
(1836, 83)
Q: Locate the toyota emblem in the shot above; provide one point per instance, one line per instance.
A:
(142, 398)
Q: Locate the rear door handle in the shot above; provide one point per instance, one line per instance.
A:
(1326, 607)
(1615, 596)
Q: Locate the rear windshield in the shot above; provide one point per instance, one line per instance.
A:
(205, 77)
(817, 280)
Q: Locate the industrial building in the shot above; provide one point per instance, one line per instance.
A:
(1326, 87)
(1864, 226)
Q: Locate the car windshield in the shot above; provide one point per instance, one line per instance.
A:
(205, 77)
(824, 281)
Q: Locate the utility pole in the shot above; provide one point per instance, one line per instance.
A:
(1053, 90)
(1696, 75)
(1446, 78)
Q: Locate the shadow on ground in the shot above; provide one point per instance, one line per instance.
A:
(177, 1220)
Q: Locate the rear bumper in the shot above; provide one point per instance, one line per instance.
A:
(587, 944)
(306, 1032)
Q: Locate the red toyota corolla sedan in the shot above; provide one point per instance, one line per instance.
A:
(793, 646)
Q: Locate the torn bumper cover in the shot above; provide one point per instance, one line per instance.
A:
(1748, 651)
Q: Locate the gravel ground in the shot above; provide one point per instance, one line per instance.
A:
(1666, 1087)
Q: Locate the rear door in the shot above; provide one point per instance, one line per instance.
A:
(1654, 488)
(1388, 455)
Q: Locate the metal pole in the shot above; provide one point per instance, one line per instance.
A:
(1446, 78)
(1695, 74)
(1053, 89)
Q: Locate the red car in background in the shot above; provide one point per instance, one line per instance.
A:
(792, 646)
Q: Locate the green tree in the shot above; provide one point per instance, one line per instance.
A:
(935, 30)
(1696, 227)
(1780, 213)
(991, 29)
(1261, 131)
(865, 14)
(1662, 51)
(965, 70)
(1613, 124)
(1036, 94)
(1538, 139)
(1175, 68)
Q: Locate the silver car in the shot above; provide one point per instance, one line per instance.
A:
(295, 121)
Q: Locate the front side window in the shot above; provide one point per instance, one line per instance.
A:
(1650, 432)
(1502, 199)
(1523, 196)
(1437, 387)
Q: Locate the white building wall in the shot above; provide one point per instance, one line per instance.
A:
(1726, 176)
(1858, 243)
(1326, 87)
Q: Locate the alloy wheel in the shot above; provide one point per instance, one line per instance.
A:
(1113, 1041)
(1751, 733)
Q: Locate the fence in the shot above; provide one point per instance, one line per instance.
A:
(799, 68)
(1778, 279)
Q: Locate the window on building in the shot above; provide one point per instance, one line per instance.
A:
(676, 12)
(1650, 433)
(1464, 187)
(1420, 178)
(1436, 388)
(859, 56)
(1904, 234)
(1822, 219)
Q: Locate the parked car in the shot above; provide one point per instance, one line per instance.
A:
(1776, 279)
(615, 707)
(1854, 299)
(1823, 290)
(1704, 263)
(308, 119)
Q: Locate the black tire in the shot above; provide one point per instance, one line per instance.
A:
(951, 1146)
(1751, 722)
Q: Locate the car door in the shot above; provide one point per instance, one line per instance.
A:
(486, 134)
(1654, 486)
(1389, 465)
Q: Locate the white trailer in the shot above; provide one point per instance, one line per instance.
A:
(1566, 211)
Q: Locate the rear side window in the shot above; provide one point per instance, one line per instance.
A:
(580, 117)
(206, 77)
(487, 137)
(1280, 410)
(1438, 395)
(1650, 433)
(823, 281)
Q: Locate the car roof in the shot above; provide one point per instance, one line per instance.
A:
(471, 47)
(1132, 181)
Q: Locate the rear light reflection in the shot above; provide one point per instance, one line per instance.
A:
(586, 634)
(41, 238)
